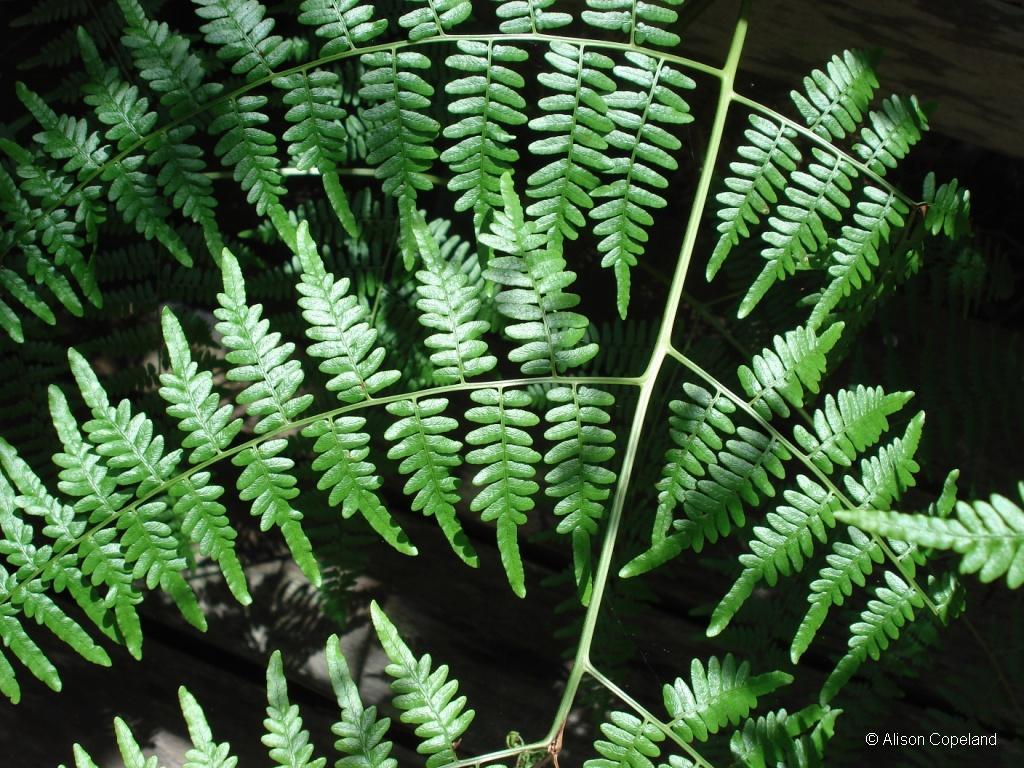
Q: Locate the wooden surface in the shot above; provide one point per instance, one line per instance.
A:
(966, 55)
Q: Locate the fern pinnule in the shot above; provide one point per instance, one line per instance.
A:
(344, 24)
(488, 99)
(285, 738)
(428, 455)
(645, 147)
(837, 99)
(240, 30)
(259, 359)
(644, 23)
(518, 17)
(360, 733)
(582, 445)
(576, 117)
(424, 695)
(718, 694)
(504, 448)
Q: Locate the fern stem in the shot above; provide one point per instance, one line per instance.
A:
(293, 426)
(636, 706)
(832, 149)
(806, 461)
(662, 348)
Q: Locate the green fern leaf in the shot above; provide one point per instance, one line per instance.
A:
(639, 117)
(578, 121)
(242, 34)
(341, 455)
(780, 376)
(720, 695)
(248, 148)
(425, 697)
(780, 739)
(506, 480)
(205, 752)
(644, 22)
(759, 175)
(989, 535)
(948, 208)
(434, 17)
(850, 422)
(285, 738)
(339, 328)
(799, 231)
(103, 559)
(893, 132)
(129, 447)
(780, 547)
(450, 304)
(258, 358)
(163, 60)
(519, 17)
(345, 24)
(428, 455)
(837, 99)
(858, 248)
(360, 734)
(317, 133)
(880, 624)
(534, 278)
(401, 136)
(489, 103)
(577, 478)
(629, 743)
(210, 430)
(131, 752)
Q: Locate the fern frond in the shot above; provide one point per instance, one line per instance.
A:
(577, 479)
(534, 278)
(989, 535)
(360, 734)
(401, 135)
(629, 743)
(344, 24)
(836, 99)
(721, 694)
(205, 752)
(425, 696)
(759, 175)
(127, 444)
(504, 448)
(341, 455)
(780, 547)
(780, 739)
(209, 430)
(798, 231)
(848, 564)
(850, 422)
(489, 102)
(450, 304)
(164, 61)
(249, 149)
(880, 623)
(644, 22)
(948, 208)
(242, 35)
(858, 247)
(578, 121)
(525, 16)
(259, 359)
(780, 376)
(428, 455)
(639, 117)
(434, 17)
(180, 175)
(893, 131)
(103, 560)
(338, 325)
(316, 134)
(285, 738)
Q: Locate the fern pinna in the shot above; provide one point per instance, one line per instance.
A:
(508, 416)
